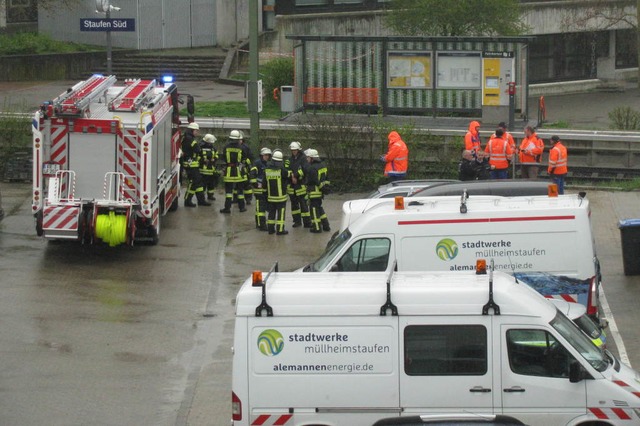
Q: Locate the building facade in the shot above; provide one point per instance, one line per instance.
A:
(572, 41)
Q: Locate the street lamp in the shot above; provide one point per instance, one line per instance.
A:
(104, 6)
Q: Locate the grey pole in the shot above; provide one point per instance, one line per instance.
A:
(254, 115)
(108, 15)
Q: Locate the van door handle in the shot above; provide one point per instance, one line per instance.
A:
(479, 389)
(514, 389)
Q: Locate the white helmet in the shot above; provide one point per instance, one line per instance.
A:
(193, 126)
(209, 138)
(235, 134)
(295, 145)
(265, 151)
(312, 153)
(277, 156)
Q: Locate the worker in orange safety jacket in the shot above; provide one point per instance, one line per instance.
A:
(558, 163)
(531, 149)
(500, 153)
(396, 158)
(472, 138)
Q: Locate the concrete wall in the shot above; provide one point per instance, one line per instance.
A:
(70, 66)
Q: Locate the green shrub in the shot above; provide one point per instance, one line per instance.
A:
(15, 139)
(624, 118)
(275, 73)
(32, 43)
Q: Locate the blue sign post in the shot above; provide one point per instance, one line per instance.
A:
(107, 24)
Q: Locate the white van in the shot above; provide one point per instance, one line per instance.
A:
(351, 349)
(545, 241)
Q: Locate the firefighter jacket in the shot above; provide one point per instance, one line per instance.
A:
(531, 149)
(257, 175)
(558, 159)
(500, 152)
(190, 150)
(397, 156)
(472, 138)
(317, 179)
(296, 166)
(208, 158)
(276, 177)
(248, 155)
(235, 162)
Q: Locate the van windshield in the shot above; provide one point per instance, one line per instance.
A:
(330, 252)
(580, 342)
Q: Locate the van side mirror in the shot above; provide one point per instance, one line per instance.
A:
(576, 372)
(191, 107)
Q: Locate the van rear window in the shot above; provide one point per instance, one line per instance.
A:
(445, 350)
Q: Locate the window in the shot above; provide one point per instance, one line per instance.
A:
(537, 353)
(368, 255)
(445, 350)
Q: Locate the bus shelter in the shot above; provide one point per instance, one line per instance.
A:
(412, 75)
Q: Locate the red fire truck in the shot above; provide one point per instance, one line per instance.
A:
(106, 161)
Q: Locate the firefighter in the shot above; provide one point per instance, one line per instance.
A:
(557, 168)
(208, 166)
(234, 162)
(296, 189)
(276, 177)
(257, 176)
(191, 163)
(317, 186)
(248, 183)
(500, 153)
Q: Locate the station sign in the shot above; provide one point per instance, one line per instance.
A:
(107, 24)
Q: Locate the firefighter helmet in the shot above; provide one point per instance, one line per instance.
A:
(295, 145)
(312, 153)
(209, 138)
(265, 151)
(235, 134)
(193, 126)
(277, 156)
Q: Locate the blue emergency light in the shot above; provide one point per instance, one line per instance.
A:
(166, 79)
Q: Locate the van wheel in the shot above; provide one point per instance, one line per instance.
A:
(594, 424)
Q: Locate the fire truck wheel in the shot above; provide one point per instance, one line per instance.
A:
(174, 204)
(39, 230)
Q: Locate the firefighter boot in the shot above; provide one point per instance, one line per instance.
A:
(201, 200)
(188, 201)
(241, 205)
(211, 197)
(325, 225)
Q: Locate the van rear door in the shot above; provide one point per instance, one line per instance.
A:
(446, 364)
(534, 383)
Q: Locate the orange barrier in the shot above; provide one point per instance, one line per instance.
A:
(341, 96)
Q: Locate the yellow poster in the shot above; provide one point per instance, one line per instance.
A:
(409, 70)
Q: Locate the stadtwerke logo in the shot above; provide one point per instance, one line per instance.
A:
(447, 249)
(270, 342)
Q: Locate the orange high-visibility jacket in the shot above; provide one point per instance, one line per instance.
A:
(557, 160)
(397, 156)
(472, 138)
(500, 152)
(531, 149)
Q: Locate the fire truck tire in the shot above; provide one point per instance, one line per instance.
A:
(39, 230)
(175, 203)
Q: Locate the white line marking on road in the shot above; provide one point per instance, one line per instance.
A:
(613, 329)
